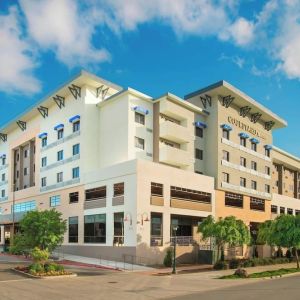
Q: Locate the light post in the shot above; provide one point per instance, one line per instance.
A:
(13, 218)
(174, 249)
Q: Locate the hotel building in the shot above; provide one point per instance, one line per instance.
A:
(125, 169)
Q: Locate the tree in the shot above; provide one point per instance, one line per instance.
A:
(284, 231)
(41, 229)
(229, 231)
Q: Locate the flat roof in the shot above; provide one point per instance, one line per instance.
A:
(241, 99)
(81, 78)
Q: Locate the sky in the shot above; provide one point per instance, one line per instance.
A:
(155, 46)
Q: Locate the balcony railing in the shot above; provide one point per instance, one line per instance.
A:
(156, 240)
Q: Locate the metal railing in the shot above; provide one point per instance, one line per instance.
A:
(156, 240)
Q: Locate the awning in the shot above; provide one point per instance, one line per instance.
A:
(141, 110)
(226, 127)
(74, 119)
(255, 141)
(43, 135)
(268, 147)
(59, 126)
(200, 125)
(244, 135)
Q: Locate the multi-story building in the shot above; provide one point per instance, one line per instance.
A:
(126, 169)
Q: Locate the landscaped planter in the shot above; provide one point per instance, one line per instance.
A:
(48, 275)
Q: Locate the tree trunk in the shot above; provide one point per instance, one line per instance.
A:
(222, 253)
(297, 258)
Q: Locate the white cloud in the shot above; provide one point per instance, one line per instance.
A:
(237, 60)
(16, 58)
(60, 26)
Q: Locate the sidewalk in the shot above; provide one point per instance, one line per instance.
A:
(88, 261)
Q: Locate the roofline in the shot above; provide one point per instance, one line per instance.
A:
(182, 102)
(281, 151)
(241, 94)
(47, 96)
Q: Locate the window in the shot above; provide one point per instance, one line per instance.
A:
(282, 210)
(60, 155)
(267, 152)
(156, 229)
(96, 193)
(59, 177)
(243, 141)
(73, 229)
(75, 172)
(274, 209)
(3, 161)
(60, 134)
(242, 181)
(199, 154)
(235, 200)
(253, 185)
(76, 149)
(76, 126)
(139, 143)
(190, 195)
(118, 189)
(253, 146)
(290, 211)
(2, 193)
(139, 118)
(44, 161)
(267, 170)
(297, 212)
(257, 204)
(95, 228)
(225, 155)
(26, 153)
(199, 132)
(254, 165)
(225, 177)
(25, 206)
(157, 189)
(44, 142)
(73, 197)
(25, 171)
(118, 229)
(226, 134)
(55, 201)
(3, 177)
(243, 162)
(267, 188)
(44, 181)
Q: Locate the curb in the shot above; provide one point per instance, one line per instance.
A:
(44, 277)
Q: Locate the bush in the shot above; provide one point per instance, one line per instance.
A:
(288, 254)
(241, 273)
(39, 256)
(168, 260)
(52, 267)
(221, 265)
(36, 268)
(234, 263)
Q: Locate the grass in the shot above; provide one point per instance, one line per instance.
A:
(265, 274)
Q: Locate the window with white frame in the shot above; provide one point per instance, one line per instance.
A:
(139, 143)
(55, 201)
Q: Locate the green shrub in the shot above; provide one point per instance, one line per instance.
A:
(39, 256)
(221, 265)
(50, 267)
(59, 268)
(36, 268)
(168, 260)
(234, 263)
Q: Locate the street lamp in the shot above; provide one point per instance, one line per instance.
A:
(175, 227)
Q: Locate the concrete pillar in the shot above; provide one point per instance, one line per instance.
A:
(2, 240)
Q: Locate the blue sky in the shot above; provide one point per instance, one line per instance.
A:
(154, 46)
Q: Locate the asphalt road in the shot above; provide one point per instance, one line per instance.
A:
(275, 289)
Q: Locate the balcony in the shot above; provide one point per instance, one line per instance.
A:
(96, 203)
(174, 132)
(174, 156)
(192, 205)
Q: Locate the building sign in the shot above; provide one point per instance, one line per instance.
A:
(246, 128)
